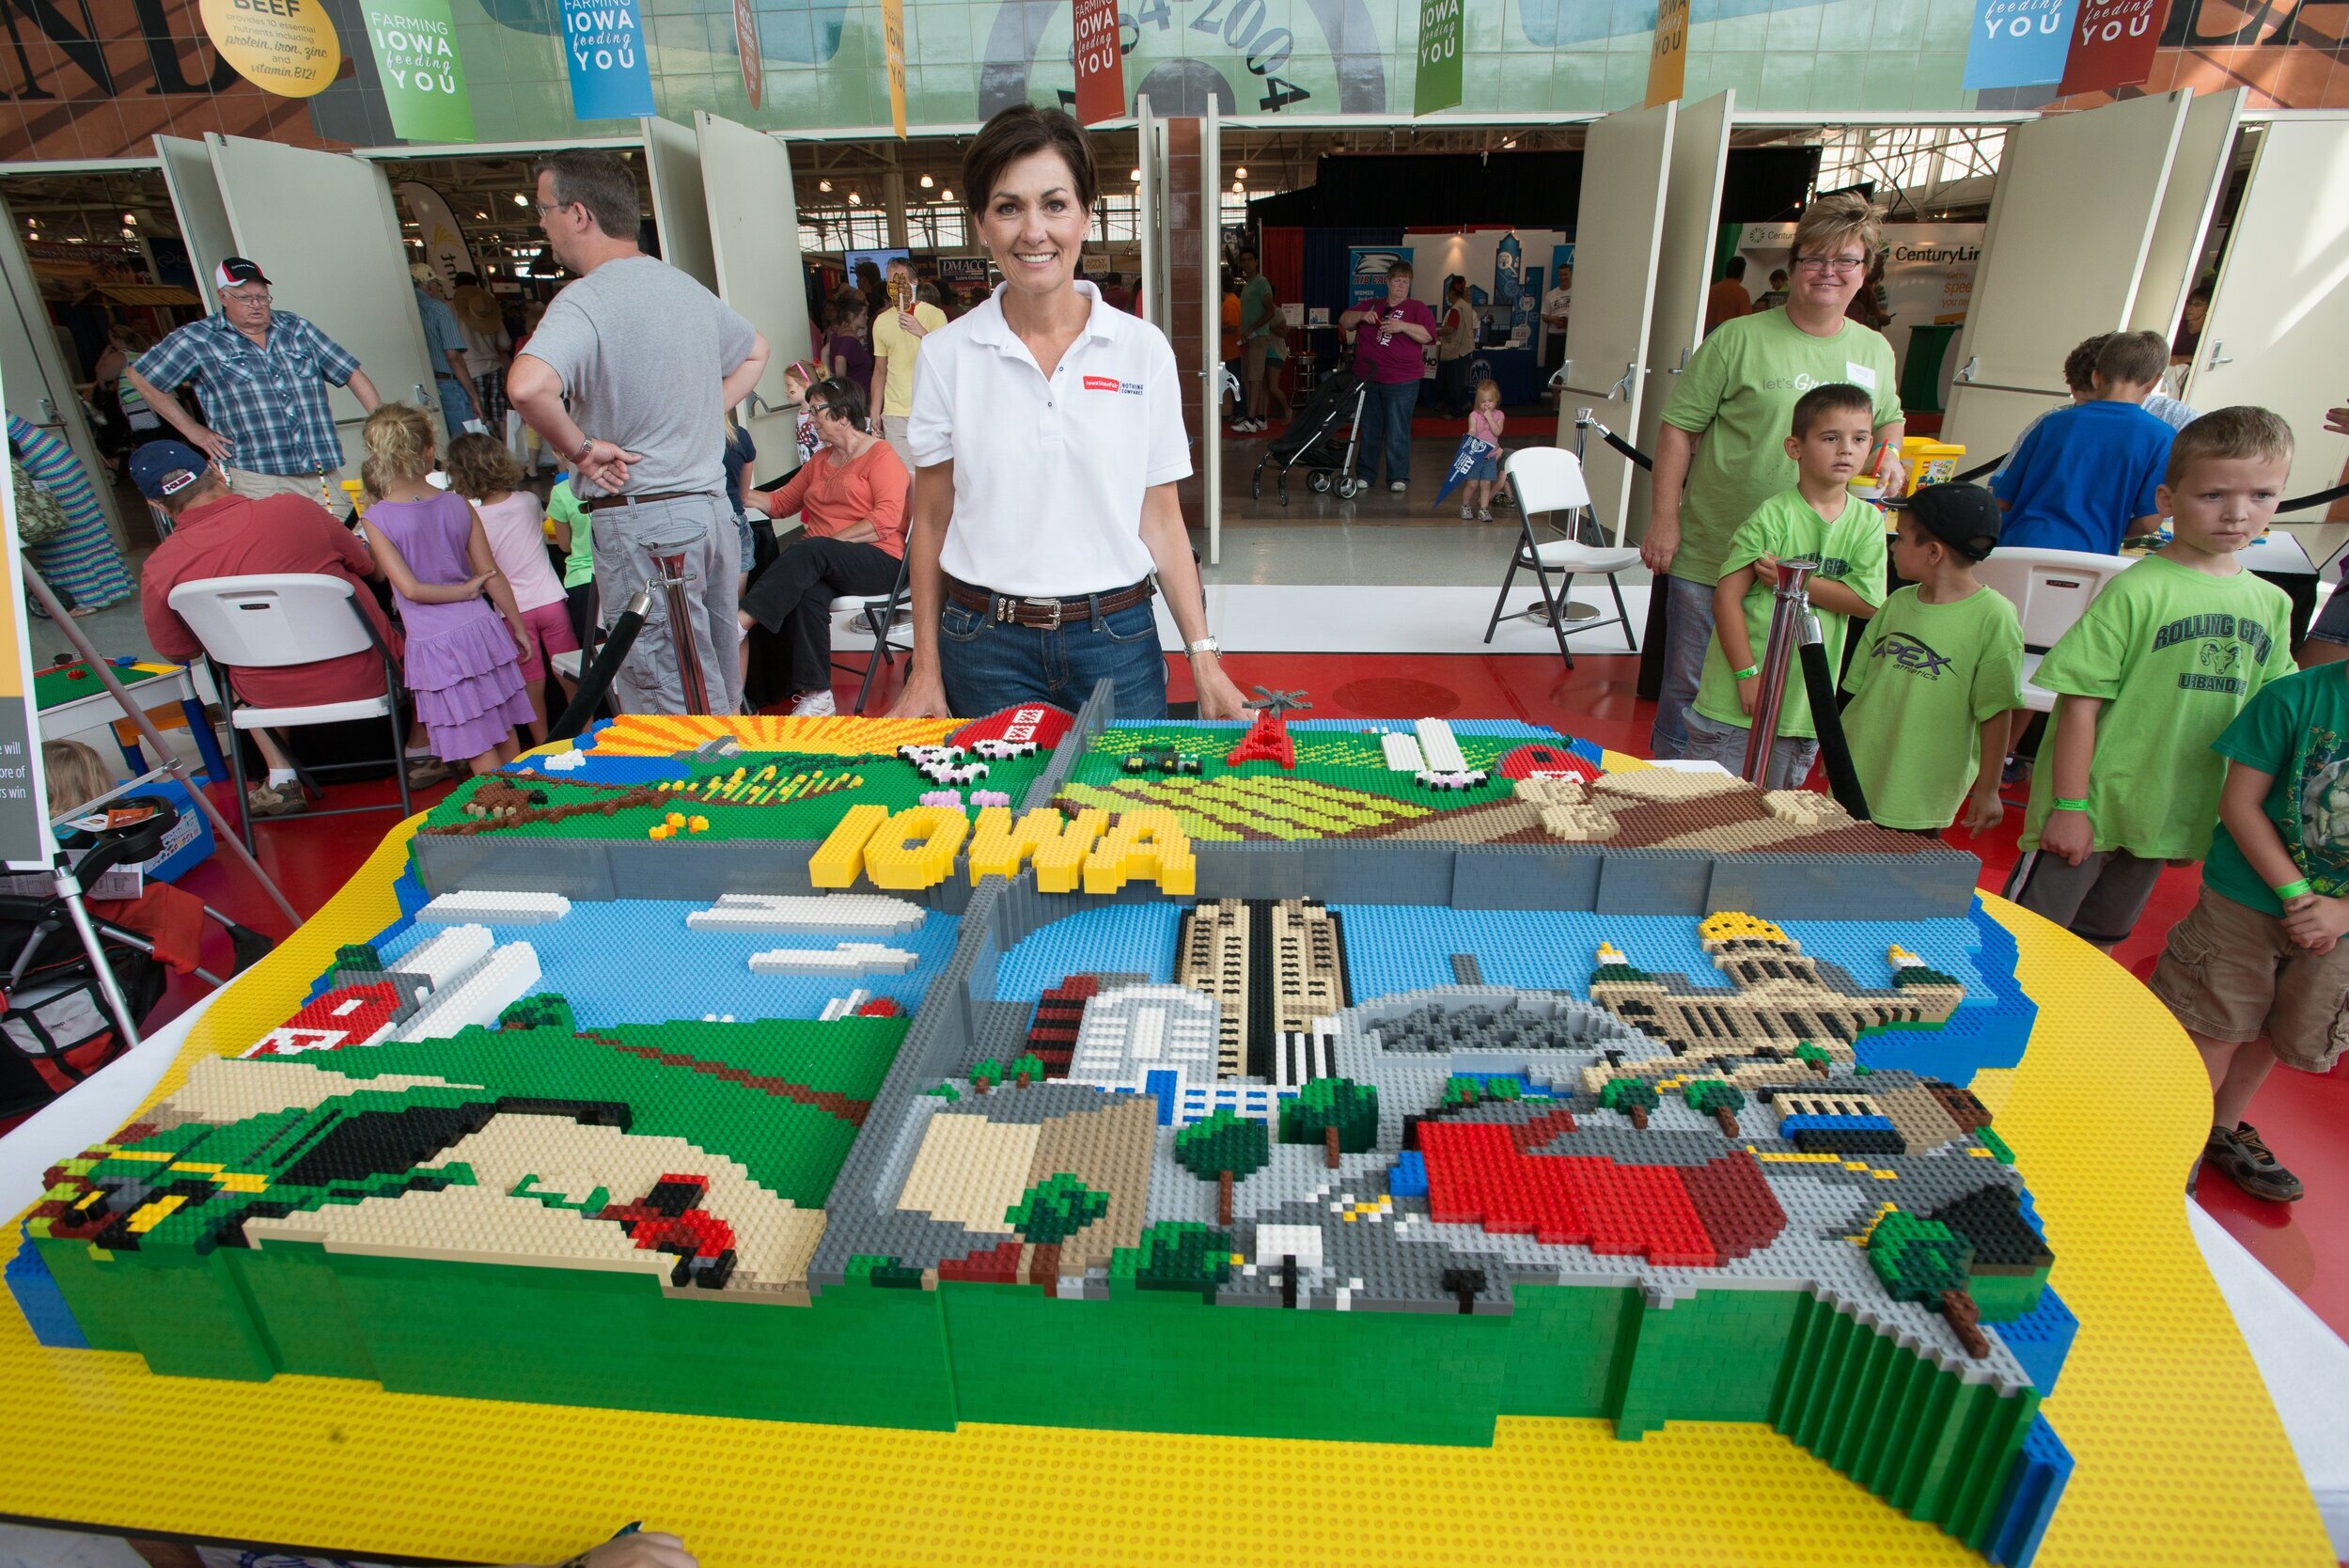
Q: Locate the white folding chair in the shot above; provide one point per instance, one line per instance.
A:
(1549, 479)
(2050, 590)
(271, 622)
(877, 615)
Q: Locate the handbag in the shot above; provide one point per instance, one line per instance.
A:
(39, 518)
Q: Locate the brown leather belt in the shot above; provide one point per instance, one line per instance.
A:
(600, 502)
(1046, 614)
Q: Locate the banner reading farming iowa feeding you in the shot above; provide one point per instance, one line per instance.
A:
(604, 50)
(424, 77)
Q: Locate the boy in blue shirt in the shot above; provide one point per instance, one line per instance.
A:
(2084, 476)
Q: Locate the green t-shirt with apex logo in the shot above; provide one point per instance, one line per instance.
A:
(1925, 680)
(2174, 653)
(2298, 729)
(1849, 550)
(1737, 396)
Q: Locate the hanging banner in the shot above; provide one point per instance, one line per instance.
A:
(445, 248)
(2112, 45)
(1667, 57)
(1439, 85)
(2019, 43)
(1366, 271)
(893, 43)
(746, 51)
(1099, 63)
(604, 50)
(423, 76)
(289, 48)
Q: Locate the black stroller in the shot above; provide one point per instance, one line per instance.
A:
(1311, 442)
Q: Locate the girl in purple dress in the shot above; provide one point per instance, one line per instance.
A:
(464, 662)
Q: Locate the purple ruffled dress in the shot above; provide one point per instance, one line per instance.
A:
(460, 660)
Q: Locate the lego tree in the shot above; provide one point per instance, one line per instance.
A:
(1820, 1062)
(1336, 1112)
(1176, 1255)
(1633, 1097)
(1718, 1099)
(1050, 1212)
(547, 1010)
(986, 1073)
(358, 955)
(1224, 1148)
(1028, 1067)
(1925, 1260)
(1462, 1089)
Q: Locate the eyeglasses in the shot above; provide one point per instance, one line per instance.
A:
(1830, 263)
(823, 411)
(261, 298)
(545, 207)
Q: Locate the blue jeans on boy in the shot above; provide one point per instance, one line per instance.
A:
(1687, 631)
(992, 665)
(1385, 423)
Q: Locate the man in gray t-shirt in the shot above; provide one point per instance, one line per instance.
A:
(649, 361)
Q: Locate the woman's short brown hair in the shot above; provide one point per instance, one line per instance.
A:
(1015, 134)
(1830, 222)
(843, 397)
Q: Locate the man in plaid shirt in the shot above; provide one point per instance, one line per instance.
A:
(263, 376)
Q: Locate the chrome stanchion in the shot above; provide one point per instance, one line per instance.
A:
(1791, 621)
(670, 579)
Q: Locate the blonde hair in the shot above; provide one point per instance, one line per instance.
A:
(1831, 221)
(399, 442)
(75, 772)
(1488, 385)
(481, 467)
(2244, 430)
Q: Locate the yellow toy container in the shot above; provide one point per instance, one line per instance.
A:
(1930, 461)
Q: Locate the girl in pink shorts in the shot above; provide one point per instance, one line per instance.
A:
(484, 472)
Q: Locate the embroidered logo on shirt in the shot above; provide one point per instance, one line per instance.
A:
(1111, 384)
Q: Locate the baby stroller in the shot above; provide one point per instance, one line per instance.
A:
(1310, 442)
(56, 1027)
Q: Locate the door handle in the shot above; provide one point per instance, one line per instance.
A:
(1965, 371)
(49, 413)
(1681, 365)
(1621, 390)
(422, 401)
(2216, 356)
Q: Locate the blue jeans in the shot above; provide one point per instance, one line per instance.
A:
(1386, 422)
(1687, 630)
(456, 407)
(992, 665)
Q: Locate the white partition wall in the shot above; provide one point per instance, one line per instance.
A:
(753, 225)
(672, 161)
(1684, 270)
(35, 379)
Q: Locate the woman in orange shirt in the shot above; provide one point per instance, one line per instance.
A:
(851, 497)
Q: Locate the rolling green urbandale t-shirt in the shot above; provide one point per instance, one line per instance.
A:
(563, 507)
(1849, 550)
(1926, 678)
(1738, 398)
(2296, 729)
(2174, 653)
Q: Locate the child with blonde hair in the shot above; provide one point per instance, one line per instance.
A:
(463, 666)
(485, 473)
(1484, 423)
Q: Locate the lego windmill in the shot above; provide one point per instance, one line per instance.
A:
(1267, 740)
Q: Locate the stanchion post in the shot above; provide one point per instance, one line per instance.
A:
(671, 581)
(1791, 621)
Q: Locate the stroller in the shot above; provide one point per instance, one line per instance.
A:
(1310, 442)
(55, 1025)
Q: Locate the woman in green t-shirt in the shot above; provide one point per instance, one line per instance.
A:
(1739, 394)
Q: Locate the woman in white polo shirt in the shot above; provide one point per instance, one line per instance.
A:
(1047, 438)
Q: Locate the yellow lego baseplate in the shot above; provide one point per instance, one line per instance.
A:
(2179, 1457)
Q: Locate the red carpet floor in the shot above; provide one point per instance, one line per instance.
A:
(2305, 1243)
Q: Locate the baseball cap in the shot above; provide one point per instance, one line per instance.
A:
(421, 272)
(1964, 517)
(237, 270)
(162, 468)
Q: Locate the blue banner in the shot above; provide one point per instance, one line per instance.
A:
(604, 49)
(2019, 43)
(1472, 452)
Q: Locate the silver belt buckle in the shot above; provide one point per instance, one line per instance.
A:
(1057, 609)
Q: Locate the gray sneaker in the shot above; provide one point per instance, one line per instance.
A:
(2247, 1163)
(1398, 486)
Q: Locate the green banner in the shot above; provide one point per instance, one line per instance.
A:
(1439, 57)
(423, 77)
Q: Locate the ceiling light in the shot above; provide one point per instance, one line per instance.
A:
(483, 216)
(927, 182)
(1239, 173)
(1238, 189)
(855, 200)
(73, 239)
(1134, 174)
(823, 185)
(945, 196)
(130, 217)
(130, 233)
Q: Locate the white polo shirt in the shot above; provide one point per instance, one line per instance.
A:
(1049, 472)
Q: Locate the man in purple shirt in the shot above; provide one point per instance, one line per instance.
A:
(1387, 335)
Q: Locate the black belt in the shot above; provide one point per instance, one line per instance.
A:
(600, 502)
(1046, 613)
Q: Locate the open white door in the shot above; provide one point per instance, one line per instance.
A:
(2072, 221)
(1211, 324)
(681, 209)
(1683, 267)
(2278, 334)
(1617, 229)
(1149, 220)
(754, 247)
(2198, 173)
(322, 227)
(203, 218)
(35, 379)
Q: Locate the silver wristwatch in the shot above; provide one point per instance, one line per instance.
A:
(1204, 645)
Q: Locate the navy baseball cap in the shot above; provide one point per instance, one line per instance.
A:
(162, 468)
(237, 270)
(1964, 517)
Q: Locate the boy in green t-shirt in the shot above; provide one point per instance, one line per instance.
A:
(1941, 662)
(1821, 519)
(2256, 972)
(2161, 662)
(572, 530)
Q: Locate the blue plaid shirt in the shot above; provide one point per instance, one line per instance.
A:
(271, 403)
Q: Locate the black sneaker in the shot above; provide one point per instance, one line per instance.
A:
(2246, 1162)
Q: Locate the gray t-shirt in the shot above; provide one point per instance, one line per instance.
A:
(642, 348)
